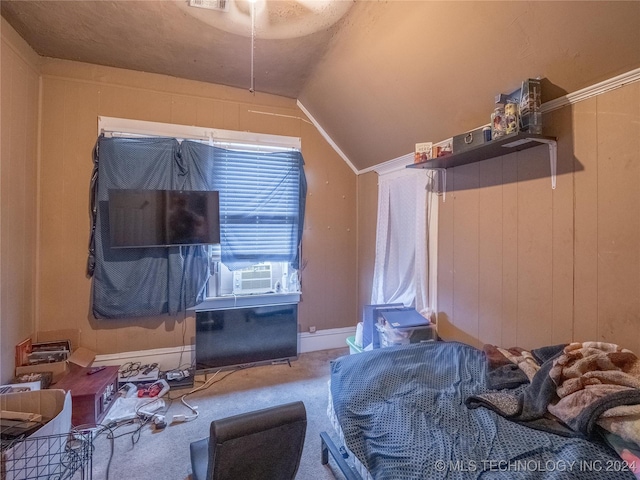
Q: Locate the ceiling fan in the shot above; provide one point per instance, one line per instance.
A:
(272, 19)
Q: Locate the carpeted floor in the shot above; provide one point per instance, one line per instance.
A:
(164, 454)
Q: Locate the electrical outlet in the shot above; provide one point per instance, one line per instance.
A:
(312, 329)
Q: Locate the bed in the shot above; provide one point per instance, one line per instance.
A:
(400, 413)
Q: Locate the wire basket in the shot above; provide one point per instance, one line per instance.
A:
(53, 457)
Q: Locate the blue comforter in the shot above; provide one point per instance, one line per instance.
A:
(403, 415)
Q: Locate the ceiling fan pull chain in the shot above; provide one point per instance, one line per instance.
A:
(253, 39)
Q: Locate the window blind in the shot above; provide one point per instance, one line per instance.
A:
(261, 205)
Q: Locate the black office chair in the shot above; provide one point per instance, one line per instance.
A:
(261, 445)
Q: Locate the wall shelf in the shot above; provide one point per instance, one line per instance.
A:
(503, 146)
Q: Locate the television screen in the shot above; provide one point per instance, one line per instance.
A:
(153, 218)
(246, 336)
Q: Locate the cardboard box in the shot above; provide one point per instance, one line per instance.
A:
(54, 405)
(31, 454)
(80, 356)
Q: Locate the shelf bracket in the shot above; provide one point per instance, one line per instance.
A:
(553, 157)
(441, 180)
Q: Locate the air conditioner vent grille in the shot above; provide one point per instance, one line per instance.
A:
(256, 279)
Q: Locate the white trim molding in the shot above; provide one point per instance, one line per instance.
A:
(175, 357)
(324, 339)
(326, 136)
(569, 99)
(592, 91)
(112, 126)
(391, 166)
(166, 358)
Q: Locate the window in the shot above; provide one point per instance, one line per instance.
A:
(260, 205)
(262, 196)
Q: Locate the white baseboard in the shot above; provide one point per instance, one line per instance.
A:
(324, 339)
(169, 358)
(166, 358)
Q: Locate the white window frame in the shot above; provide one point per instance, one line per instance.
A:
(123, 127)
(112, 126)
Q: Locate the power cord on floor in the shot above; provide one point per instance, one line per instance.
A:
(95, 431)
(187, 418)
(110, 431)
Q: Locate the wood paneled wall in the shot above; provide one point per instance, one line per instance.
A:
(18, 194)
(522, 264)
(74, 95)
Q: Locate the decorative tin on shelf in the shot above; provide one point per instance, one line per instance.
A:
(468, 140)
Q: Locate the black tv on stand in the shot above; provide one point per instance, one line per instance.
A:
(243, 337)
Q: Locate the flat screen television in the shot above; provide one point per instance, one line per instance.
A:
(246, 336)
(163, 218)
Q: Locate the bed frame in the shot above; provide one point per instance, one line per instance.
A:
(339, 455)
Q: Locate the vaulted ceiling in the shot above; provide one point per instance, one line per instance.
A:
(378, 76)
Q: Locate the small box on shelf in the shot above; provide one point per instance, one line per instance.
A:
(468, 140)
(530, 104)
(443, 148)
(528, 99)
(423, 152)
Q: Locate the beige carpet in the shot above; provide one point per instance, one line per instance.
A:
(164, 454)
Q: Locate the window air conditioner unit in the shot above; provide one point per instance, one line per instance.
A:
(255, 279)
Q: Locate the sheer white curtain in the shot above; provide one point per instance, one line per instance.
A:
(406, 211)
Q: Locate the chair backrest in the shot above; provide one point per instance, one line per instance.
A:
(260, 445)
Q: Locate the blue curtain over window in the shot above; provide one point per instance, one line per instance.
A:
(262, 203)
(133, 282)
